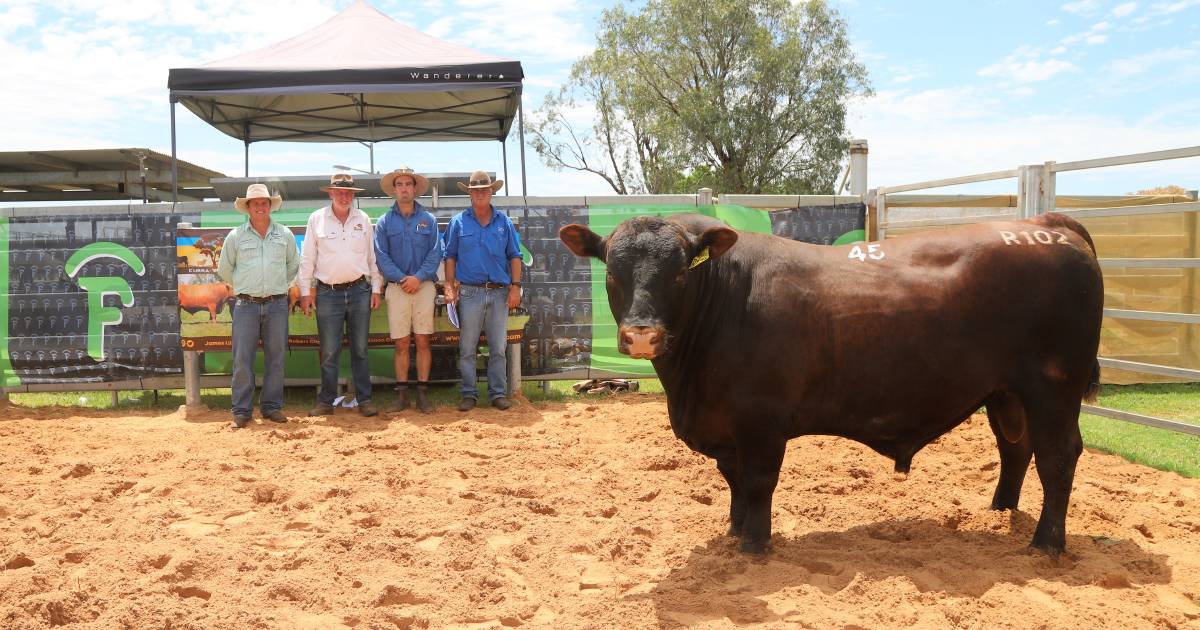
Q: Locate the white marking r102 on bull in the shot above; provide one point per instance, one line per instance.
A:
(873, 252)
(1037, 237)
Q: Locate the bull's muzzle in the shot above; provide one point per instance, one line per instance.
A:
(640, 342)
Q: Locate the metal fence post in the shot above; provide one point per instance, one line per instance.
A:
(191, 379)
(1035, 189)
(858, 167)
(514, 368)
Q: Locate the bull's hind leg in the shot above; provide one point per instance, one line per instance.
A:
(1054, 436)
(727, 464)
(758, 473)
(1007, 417)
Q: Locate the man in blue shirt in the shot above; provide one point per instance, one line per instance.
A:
(483, 277)
(408, 251)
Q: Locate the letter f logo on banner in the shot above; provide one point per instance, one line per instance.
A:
(100, 315)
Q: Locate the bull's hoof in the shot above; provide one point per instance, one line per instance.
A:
(756, 547)
(1000, 506)
(1048, 545)
(734, 530)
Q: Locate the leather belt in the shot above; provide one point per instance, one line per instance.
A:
(488, 285)
(260, 300)
(342, 285)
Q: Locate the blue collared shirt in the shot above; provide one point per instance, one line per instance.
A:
(408, 246)
(482, 252)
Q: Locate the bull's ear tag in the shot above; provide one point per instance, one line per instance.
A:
(701, 257)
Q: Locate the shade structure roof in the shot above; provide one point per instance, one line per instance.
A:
(359, 77)
(98, 174)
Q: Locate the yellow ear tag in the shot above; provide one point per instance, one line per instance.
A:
(701, 257)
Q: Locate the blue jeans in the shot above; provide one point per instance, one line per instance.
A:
(344, 311)
(253, 322)
(483, 310)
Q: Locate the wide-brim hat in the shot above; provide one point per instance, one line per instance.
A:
(257, 191)
(388, 183)
(480, 179)
(341, 181)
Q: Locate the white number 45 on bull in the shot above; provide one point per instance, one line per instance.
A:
(873, 252)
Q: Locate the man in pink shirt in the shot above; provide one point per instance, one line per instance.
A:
(338, 254)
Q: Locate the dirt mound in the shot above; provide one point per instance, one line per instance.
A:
(575, 515)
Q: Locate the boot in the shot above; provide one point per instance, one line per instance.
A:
(423, 399)
(401, 399)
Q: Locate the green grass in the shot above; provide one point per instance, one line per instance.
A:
(1157, 448)
(295, 398)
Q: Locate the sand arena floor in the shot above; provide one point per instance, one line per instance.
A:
(584, 514)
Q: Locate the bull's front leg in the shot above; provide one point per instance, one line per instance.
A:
(727, 464)
(758, 467)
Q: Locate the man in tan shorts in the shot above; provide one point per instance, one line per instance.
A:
(408, 250)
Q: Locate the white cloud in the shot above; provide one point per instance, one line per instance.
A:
(1121, 10)
(945, 133)
(533, 30)
(1141, 64)
(903, 78)
(1028, 70)
(1081, 6)
(1173, 7)
(1096, 39)
(1053, 22)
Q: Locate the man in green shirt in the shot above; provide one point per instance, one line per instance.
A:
(259, 260)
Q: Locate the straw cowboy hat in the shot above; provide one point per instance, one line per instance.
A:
(341, 181)
(257, 191)
(388, 183)
(480, 179)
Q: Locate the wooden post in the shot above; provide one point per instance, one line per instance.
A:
(704, 197)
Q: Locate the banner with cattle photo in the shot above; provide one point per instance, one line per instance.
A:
(206, 313)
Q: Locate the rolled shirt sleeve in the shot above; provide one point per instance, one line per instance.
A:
(383, 252)
(228, 257)
(428, 270)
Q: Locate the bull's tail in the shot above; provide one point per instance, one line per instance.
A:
(1093, 388)
(1054, 219)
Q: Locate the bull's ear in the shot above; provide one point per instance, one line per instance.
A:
(717, 240)
(582, 241)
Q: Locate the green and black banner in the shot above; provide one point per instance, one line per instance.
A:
(100, 298)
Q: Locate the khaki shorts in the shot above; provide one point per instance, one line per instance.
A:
(410, 312)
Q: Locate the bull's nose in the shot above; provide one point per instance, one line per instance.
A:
(641, 342)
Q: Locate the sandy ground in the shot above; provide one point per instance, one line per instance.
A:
(579, 515)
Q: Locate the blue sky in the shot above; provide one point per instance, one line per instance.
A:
(961, 87)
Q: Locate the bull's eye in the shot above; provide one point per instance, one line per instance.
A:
(681, 277)
(609, 277)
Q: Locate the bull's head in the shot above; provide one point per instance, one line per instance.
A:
(650, 262)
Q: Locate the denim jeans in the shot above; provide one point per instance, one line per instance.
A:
(253, 322)
(483, 310)
(344, 312)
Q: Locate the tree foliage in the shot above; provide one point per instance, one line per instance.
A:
(745, 96)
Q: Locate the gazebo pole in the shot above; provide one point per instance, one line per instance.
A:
(504, 156)
(174, 159)
(246, 139)
(521, 125)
